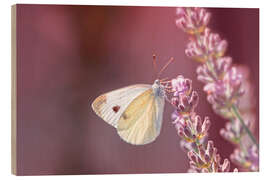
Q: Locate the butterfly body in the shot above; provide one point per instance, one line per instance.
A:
(135, 111)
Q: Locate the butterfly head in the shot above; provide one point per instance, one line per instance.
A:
(157, 82)
(158, 88)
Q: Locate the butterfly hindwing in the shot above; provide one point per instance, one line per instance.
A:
(141, 122)
(111, 105)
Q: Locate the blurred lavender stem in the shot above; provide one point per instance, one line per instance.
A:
(234, 108)
(237, 114)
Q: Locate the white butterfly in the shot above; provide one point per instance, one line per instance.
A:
(135, 111)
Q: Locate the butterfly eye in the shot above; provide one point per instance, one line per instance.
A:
(116, 108)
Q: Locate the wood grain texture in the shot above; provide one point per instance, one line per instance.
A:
(13, 91)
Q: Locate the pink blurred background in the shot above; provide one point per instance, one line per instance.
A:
(68, 55)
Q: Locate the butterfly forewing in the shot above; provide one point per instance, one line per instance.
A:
(111, 105)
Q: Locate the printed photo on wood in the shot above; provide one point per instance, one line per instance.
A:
(133, 89)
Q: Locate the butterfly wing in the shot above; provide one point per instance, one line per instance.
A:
(111, 105)
(141, 122)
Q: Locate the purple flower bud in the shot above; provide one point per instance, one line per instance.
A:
(211, 99)
(174, 115)
(206, 19)
(206, 125)
(210, 148)
(181, 133)
(180, 11)
(186, 146)
(193, 164)
(198, 124)
(200, 70)
(178, 127)
(181, 23)
(181, 107)
(221, 47)
(220, 88)
(201, 14)
(225, 166)
(196, 19)
(229, 136)
(188, 84)
(184, 101)
(210, 41)
(233, 76)
(192, 156)
(214, 167)
(207, 32)
(201, 151)
(204, 79)
(223, 64)
(180, 85)
(175, 101)
(209, 88)
(194, 100)
(216, 156)
(200, 161)
(193, 18)
(192, 170)
(207, 158)
(188, 133)
(204, 170)
(189, 124)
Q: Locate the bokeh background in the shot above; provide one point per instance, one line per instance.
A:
(68, 55)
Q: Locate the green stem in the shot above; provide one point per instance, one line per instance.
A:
(239, 140)
(197, 143)
(243, 148)
(238, 115)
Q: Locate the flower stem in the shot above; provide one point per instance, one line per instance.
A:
(237, 114)
(243, 148)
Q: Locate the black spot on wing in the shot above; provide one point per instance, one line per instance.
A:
(116, 108)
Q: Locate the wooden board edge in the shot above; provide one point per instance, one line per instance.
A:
(13, 90)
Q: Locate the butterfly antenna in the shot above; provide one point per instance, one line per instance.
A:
(165, 66)
(155, 64)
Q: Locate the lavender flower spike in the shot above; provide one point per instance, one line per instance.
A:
(224, 83)
(193, 20)
(193, 130)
